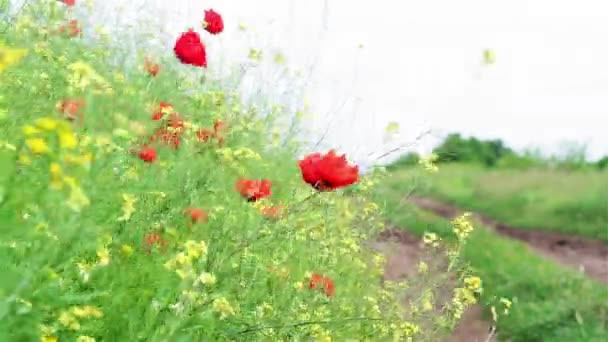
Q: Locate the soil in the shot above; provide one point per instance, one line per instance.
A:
(585, 255)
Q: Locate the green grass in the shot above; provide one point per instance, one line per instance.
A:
(573, 202)
(550, 303)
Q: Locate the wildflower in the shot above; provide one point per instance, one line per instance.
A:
(204, 134)
(72, 28)
(429, 163)
(328, 172)
(165, 136)
(69, 321)
(56, 173)
(126, 250)
(67, 138)
(104, 256)
(10, 56)
(147, 154)
(423, 267)
(213, 23)
(255, 55)
(462, 226)
(37, 145)
(196, 249)
(254, 190)
(49, 339)
(152, 68)
(190, 50)
(430, 239)
(218, 132)
(162, 109)
(30, 130)
(71, 108)
(223, 307)
(128, 207)
(153, 239)
(46, 124)
(318, 281)
(86, 312)
(473, 283)
(197, 215)
(77, 199)
(207, 278)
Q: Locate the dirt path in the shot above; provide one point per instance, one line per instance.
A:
(586, 255)
(403, 251)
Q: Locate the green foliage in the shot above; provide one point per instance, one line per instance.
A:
(457, 149)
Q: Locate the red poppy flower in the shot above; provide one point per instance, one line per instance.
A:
(204, 134)
(147, 154)
(320, 282)
(68, 2)
(328, 172)
(153, 239)
(197, 215)
(71, 108)
(214, 23)
(166, 137)
(254, 189)
(163, 108)
(72, 28)
(152, 68)
(218, 132)
(190, 50)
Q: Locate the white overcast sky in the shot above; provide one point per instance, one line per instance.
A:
(420, 64)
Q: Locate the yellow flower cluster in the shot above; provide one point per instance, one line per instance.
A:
(71, 318)
(10, 56)
(462, 226)
(39, 140)
(223, 308)
(181, 263)
(83, 76)
(428, 163)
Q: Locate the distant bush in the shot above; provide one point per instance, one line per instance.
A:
(602, 163)
(458, 149)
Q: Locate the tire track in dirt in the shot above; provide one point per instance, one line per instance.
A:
(585, 255)
(403, 251)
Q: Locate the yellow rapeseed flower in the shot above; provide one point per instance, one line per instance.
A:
(104, 256)
(223, 307)
(30, 130)
(47, 124)
(196, 249)
(207, 278)
(37, 145)
(49, 339)
(86, 311)
(126, 250)
(10, 56)
(56, 173)
(67, 139)
(128, 207)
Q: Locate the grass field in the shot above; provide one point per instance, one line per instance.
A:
(551, 303)
(573, 202)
